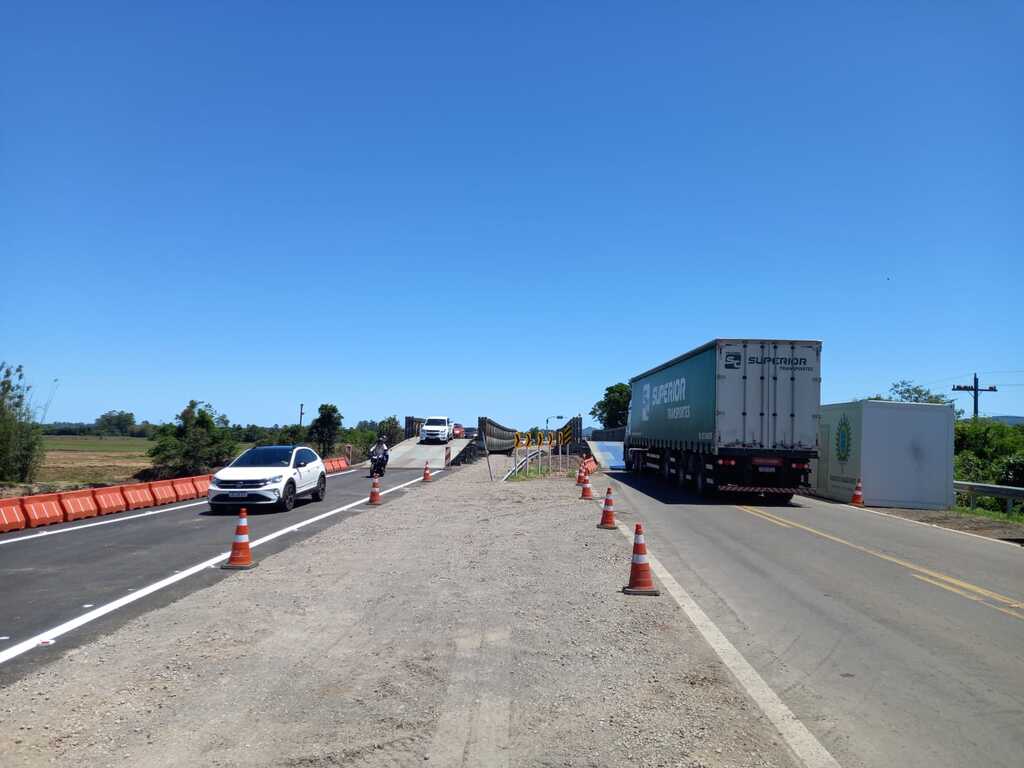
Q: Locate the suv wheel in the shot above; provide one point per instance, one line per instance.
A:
(321, 489)
(287, 502)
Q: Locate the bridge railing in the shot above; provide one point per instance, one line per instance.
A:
(614, 435)
(496, 438)
(972, 490)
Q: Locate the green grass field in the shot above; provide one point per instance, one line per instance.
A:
(96, 444)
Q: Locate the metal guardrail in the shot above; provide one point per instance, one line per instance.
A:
(972, 490)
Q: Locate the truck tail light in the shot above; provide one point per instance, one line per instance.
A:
(727, 462)
(798, 465)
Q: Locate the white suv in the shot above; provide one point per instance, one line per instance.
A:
(269, 474)
(436, 428)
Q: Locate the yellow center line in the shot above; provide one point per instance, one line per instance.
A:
(903, 563)
(956, 591)
(750, 510)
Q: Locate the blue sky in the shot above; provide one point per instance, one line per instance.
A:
(446, 208)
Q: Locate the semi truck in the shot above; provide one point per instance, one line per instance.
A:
(731, 416)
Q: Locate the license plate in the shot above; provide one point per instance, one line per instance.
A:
(766, 469)
(237, 494)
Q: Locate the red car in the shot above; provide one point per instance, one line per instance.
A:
(458, 432)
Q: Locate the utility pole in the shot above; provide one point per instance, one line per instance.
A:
(302, 407)
(974, 389)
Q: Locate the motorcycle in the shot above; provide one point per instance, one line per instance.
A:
(377, 465)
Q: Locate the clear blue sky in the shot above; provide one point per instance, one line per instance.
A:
(440, 208)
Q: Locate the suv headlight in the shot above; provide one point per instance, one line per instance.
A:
(273, 480)
(215, 481)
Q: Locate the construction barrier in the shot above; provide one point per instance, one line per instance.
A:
(137, 496)
(109, 500)
(43, 509)
(202, 484)
(78, 505)
(163, 492)
(184, 488)
(11, 516)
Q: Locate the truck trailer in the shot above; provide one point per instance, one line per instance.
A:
(731, 416)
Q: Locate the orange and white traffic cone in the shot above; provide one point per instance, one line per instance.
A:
(608, 513)
(426, 473)
(858, 495)
(581, 476)
(241, 555)
(640, 581)
(375, 492)
(587, 493)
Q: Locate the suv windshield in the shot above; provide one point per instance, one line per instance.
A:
(268, 456)
(434, 422)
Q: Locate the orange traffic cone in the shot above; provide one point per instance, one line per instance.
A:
(608, 513)
(241, 555)
(640, 581)
(581, 476)
(426, 473)
(858, 495)
(587, 493)
(375, 492)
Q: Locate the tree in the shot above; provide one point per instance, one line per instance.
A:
(393, 431)
(21, 439)
(905, 391)
(323, 430)
(195, 444)
(611, 410)
(115, 423)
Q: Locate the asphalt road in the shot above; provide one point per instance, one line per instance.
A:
(895, 643)
(81, 566)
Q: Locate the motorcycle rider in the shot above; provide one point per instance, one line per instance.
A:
(379, 452)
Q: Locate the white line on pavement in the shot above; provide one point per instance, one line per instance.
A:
(51, 634)
(119, 519)
(803, 743)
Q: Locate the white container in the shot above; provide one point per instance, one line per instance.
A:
(901, 452)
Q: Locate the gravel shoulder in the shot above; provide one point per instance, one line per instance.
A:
(465, 623)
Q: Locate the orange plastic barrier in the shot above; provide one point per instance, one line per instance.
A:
(78, 505)
(11, 516)
(163, 492)
(109, 500)
(43, 509)
(333, 465)
(202, 484)
(183, 488)
(137, 495)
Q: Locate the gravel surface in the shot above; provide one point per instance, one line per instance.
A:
(465, 623)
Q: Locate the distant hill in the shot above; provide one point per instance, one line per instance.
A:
(588, 431)
(1011, 420)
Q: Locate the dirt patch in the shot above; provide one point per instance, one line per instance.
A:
(466, 623)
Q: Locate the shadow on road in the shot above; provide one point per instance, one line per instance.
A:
(256, 510)
(667, 492)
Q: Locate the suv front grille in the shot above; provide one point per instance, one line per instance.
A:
(239, 484)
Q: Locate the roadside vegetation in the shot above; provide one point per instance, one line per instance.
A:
(21, 439)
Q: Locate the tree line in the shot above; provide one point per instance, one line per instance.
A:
(198, 440)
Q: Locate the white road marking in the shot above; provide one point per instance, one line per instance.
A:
(120, 519)
(803, 743)
(5, 637)
(49, 635)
